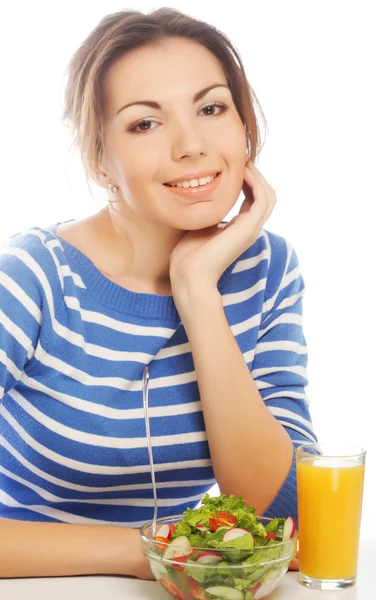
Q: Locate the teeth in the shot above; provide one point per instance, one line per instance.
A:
(193, 182)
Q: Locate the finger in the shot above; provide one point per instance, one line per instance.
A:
(260, 189)
(258, 175)
(248, 199)
(294, 565)
(251, 188)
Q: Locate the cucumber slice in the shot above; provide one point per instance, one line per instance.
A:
(180, 546)
(158, 569)
(265, 589)
(221, 591)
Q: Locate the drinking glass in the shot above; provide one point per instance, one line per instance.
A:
(330, 480)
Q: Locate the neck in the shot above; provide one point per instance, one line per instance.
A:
(137, 250)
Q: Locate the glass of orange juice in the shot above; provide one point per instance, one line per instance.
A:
(330, 491)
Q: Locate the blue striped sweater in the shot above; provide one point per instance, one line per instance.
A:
(73, 345)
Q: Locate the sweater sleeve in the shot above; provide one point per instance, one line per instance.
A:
(20, 315)
(280, 361)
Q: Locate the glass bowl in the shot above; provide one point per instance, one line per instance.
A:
(247, 574)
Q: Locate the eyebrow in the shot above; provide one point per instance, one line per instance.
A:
(156, 106)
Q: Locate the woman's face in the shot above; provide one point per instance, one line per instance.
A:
(182, 136)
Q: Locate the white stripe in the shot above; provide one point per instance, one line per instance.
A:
(42, 237)
(263, 385)
(289, 318)
(107, 411)
(39, 234)
(21, 296)
(249, 356)
(174, 351)
(141, 502)
(269, 304)
(91, 316)
(119, 383)
(290, 277)
(250, 263)
(57, 265)
(172, 380)
(286, 394)
(285, 345)
(66, 272)
(114, 488)
(62, 515)
(65, 269)
(242, 296)
(1, 392)
(82, 466)
(298, 369)
(265, 235)
(296, 428)
(55, 243)
(290, 300)
(102, 441)
(17, 333)
(283, 412)
(246, 325)
(9, 364)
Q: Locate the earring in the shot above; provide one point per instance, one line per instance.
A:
(113, 188)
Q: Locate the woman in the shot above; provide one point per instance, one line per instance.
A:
(152, 278)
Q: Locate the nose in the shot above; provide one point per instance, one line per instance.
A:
(188, 141)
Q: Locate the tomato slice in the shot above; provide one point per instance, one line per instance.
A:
(172, 588)
(270, 536)
(172, 527)
(197, 592)
(214, 524)
(222, 518)
(161, 547)
(182, 560)
(226, 518)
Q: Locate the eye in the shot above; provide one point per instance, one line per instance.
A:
(139, 127)
(140, 124)
(224, 107)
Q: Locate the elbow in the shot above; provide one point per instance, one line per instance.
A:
(285, 503)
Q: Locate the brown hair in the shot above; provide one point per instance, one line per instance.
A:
(121, 32)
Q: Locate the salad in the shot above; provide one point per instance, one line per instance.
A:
(222, 550)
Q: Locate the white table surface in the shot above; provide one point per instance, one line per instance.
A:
(121, 588)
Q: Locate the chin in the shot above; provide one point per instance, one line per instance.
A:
(199, 223)
(205, 217)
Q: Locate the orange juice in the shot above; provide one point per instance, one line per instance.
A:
(329, 511)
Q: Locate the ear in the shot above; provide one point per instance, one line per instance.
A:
(103, 178)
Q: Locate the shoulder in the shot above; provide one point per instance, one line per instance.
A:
(34, 241)
(271, 258)
(275, 250)
(29, 259)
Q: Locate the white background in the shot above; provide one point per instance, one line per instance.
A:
(312, 67)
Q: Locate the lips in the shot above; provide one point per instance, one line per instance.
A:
(173, 184)
(198, 193)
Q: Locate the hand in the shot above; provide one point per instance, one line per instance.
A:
(137, 565)
(294, 564)
(143, 570)
(205, 254)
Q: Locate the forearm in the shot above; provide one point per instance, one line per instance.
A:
(251, 452)
(33, 549)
